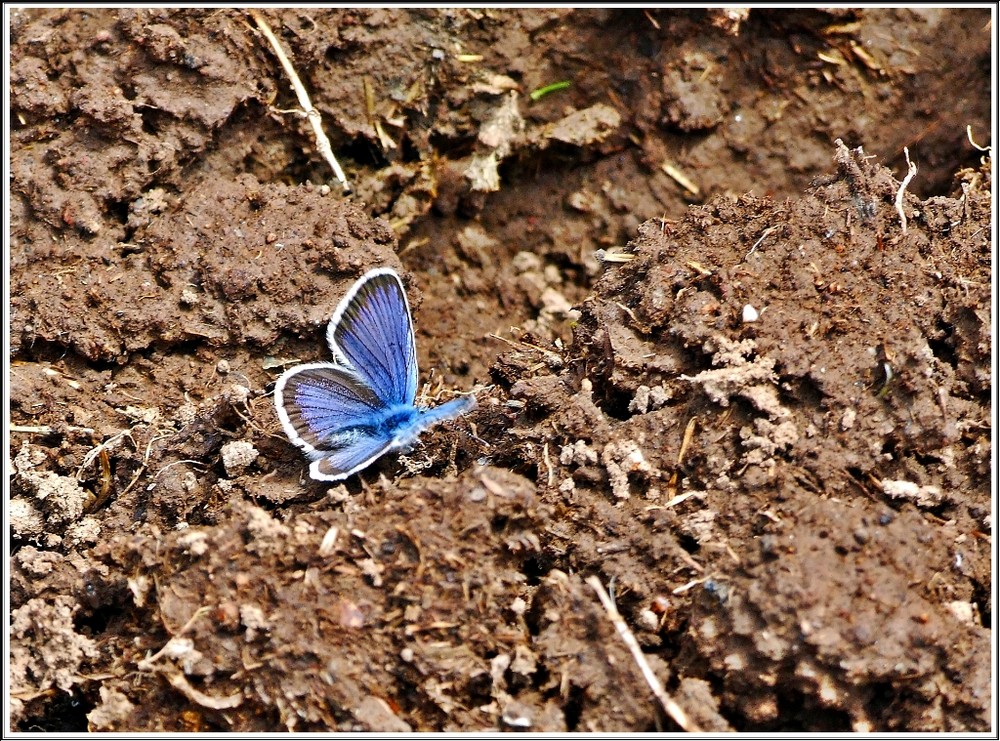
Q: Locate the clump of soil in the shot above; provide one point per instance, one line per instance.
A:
(726, 363)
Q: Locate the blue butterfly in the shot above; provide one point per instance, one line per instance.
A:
(347, 413)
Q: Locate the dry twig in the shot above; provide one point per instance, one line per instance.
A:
(181, 683)
(902, 188)
(322, 143)
(680, 178)
(47, 430)
(763, 236)
(671, 708)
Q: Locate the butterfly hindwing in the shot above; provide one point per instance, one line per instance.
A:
(372, 332)
(354, 453)
(319, 401)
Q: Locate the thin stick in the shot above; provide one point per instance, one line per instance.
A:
(902, 187)
(763, 236)
(181, 683)
(102, 448)
(147, 663)
(688, 436)
(680, 178)
(46, 430)
(670, 707)
(322, 143)
(548, 463)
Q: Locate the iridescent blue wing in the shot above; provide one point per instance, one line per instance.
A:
(325, 409)
(372, 334)
(356, 450)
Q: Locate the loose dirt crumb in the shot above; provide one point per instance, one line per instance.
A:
(25, 519)
(60, 498)
(85, 531)
(237, 456)
(648, 399)
(622, 459)
(589, 126)
(253, 620)
(112, 713)
(739, 375)
(47, 651)
(922, 496)
(496, 140)
(578, 454)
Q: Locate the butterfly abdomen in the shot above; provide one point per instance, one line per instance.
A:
(397, 418)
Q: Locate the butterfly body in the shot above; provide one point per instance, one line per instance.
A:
(346, 414)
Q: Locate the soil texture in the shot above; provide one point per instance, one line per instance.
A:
(732, 364)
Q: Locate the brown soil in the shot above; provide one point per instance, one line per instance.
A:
(793, 514)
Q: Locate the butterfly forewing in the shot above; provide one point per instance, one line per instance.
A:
(372, 332)
(317, 402)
